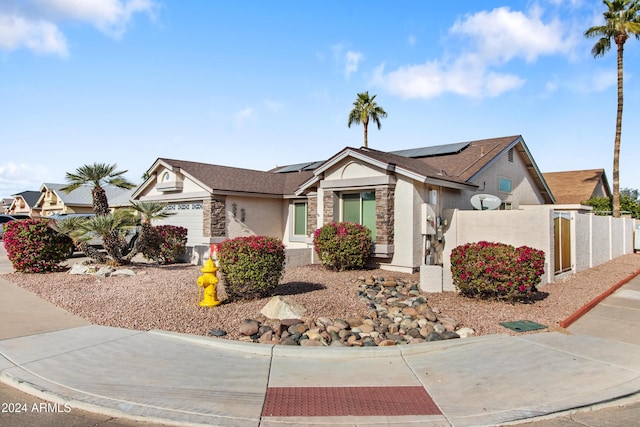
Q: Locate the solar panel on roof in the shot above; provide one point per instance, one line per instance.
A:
(434, 150)
(308, 166)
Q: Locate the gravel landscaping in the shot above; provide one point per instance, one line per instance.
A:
(165, 297)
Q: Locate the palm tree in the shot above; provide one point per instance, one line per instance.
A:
(621, 20)
(97, 174)
(112, 229)
(148, 210)
(74, 227)
(365, 108)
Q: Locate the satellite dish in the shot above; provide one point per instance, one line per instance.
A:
(483, 202)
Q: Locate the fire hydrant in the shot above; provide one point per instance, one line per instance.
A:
(208, 281)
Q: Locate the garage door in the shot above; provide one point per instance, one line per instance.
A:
(188, 215)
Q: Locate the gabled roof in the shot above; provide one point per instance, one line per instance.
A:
(30, 197)
(466, 160)
(82, 196)
(407, 166)
(226, 179)
(575, 187)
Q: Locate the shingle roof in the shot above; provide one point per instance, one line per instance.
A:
(464, 164)
(575, 187)
(82, 196)
(231, 179)
(30, 197)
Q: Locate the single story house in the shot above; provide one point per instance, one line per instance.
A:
(576, 187)
(53, 201)
(401, 196)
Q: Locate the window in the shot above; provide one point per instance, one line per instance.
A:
(300, 219)
(166, 177)
(505, 185)
(361, 209)
(505, 206)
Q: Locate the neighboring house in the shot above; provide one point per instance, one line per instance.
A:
(24, 202)
(576, 187)
(54, 201)
(6, 204)
(401, 196)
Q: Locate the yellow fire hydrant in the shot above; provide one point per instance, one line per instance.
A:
(208, 281)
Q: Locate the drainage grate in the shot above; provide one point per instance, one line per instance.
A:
(348, 401)
(523, 325)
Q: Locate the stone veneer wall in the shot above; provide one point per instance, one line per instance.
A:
(312, 213)
(214, 217)
(384, 215)
(327, 208)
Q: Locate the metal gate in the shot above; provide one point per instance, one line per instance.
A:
(562, 241)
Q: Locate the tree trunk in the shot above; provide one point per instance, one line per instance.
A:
(100, 202)
(366, 132)
(90, 251)
(616, 145)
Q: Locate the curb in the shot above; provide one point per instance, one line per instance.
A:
(588, 306)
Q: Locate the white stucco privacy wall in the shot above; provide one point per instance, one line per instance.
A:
(594, 239)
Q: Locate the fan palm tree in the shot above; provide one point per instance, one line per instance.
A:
(148, 211)
(97, 175)
(112, 229)
(74, 227)
(364, 109)
(621, 21)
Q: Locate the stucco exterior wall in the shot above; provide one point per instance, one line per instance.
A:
(523, 191)
(530, 227)
(600, 238)
(406, 255)
(581, 229)
(254, 216)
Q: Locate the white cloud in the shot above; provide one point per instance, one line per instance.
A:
(348, 59)
(352, 60)
(495, 38)
(35, 24)
(15, 178)
(243, 115)
(273, 106)
(39, 36)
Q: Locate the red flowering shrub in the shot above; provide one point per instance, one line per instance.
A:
(34, 247)
(343, 245)
(251, 267)
(166, 244)
(496, 270)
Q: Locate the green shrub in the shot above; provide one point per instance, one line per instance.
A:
(166, 244)
(343, 245)
(496, 270)
(251, 267)
(34, 247)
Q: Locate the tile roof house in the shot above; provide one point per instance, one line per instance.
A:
(401, 196)
(53, 201)
(23, 202)
(576, 187)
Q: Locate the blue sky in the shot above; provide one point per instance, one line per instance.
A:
(258, 84)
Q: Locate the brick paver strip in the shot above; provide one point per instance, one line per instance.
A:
(345, 401)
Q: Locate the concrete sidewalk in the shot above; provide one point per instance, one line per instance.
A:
(182, 379)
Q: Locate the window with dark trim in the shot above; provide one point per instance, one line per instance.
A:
(361, 209)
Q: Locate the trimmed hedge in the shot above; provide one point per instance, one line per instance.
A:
(34, 247)
(496, 270)
(251, 267)
(343, 245)
(166, 244)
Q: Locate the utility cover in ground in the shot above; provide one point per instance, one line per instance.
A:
(523, 325)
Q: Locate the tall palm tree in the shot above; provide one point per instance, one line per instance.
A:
(364, 109)
(621, 21)
(148, 211)
(97, 175)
